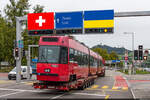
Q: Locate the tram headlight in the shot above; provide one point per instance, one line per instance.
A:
(47, 70)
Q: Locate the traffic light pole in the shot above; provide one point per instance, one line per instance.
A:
(133, 53)
(18, 59)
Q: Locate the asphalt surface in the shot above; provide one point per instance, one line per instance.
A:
(104, 88)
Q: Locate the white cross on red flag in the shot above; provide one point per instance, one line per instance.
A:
(40, 21)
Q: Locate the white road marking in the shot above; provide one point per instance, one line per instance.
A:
(129, 85)
(57, 96)
(10, 94)
(89, 94)
(20, 90)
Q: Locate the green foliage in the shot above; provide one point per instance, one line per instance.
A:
(103, 52)
(38, 9)
(113, 56)
(137, 72)
(16, 8)
(6, 69)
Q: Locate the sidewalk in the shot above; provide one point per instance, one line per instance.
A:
(139, 84)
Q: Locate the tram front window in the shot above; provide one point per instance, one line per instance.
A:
(49, 54)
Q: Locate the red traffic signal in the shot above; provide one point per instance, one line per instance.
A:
(145, 57)
(16, 52)
(126, 58)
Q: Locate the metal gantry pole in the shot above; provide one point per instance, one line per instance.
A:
(28, 62)
(133, 53)
(18, 59)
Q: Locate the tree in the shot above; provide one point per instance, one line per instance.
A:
(38, 9)
(16, 9)
(102, 52)
(113, 56)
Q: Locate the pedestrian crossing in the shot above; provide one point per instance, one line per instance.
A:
(94, 87)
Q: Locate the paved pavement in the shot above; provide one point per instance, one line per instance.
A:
(113, 85)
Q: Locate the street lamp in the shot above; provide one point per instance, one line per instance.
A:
(132, 48)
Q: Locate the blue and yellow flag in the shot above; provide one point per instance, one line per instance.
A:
(99, 19)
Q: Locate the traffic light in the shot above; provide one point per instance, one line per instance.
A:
(145, 57)
(140, 47)
(69, 31)
(99, 30)
(23, 53)
(140, 52)
(136, 55)
(40, 32)
(16, 52)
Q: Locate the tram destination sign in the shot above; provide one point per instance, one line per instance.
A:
(69, 22)
(99, 21)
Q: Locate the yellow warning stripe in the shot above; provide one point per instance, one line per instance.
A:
(95, 86)
(105, 87)
(107, 96)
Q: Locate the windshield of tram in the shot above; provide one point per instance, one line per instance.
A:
(49, 54)
(53, 54)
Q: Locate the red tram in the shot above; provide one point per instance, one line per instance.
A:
(65, 63)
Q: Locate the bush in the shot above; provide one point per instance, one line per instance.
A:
(6, 69)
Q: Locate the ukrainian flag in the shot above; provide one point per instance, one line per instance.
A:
(99, 19)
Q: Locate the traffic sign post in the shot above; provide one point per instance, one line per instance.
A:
(18, 60)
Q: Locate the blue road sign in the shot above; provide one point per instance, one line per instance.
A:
(99, 15)
(20, 44)
(34, 60)
(69, 20)
(114, 61)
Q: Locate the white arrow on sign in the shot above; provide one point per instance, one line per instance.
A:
(57, 20)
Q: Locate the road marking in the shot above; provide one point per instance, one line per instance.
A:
(29, 83)
(95, 86)
(105, 87)
(114, 88)
(129, 85)
(57, 96)
(88, 94)
(125, 88)
(20, 90)
(3, 81)
(107, 96)
(10, 94)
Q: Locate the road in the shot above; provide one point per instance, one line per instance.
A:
(114, 85)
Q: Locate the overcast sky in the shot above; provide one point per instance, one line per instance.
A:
(139, 25)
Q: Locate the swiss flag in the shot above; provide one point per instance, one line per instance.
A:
(40, 21)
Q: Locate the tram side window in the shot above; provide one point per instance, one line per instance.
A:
(64, 55)
(84, 59)
(76, 55)
(91, 61)
(79, 58)
(71, 54)
(95, 63)
(87, 60)
(100, 63)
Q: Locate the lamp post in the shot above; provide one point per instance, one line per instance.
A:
(132, 33)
